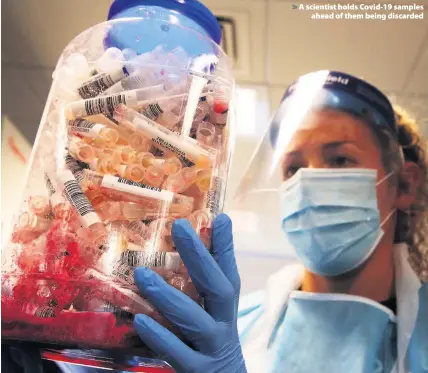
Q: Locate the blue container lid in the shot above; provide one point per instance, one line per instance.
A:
(192, 9)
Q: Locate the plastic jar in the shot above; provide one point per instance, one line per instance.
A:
(128, 143)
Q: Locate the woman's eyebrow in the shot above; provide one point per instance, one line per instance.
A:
(336, 144)
(326, 146)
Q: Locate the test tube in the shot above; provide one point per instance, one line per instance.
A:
(162, 227)
(33, 223)
(201, 221)
(126, 154)
(146, 159)
(79, 201)
(78, 149)
(205, 133)
(107, 104)
(166, 260)
(139, 142)
(203, 180)
(161, 233)
(154, 175)
(105, 165)
(40, 205)
(182, 180)
(188, 151)
(133, 172)
(95, 196)
(220, 105)
(113, 153)
(79, 64)
(137, 232)
(94, 131)
(154, 199)
(196, 87)
(166, 112)
(61, 208)
(118, 295)
(142, 78)
(170, 165)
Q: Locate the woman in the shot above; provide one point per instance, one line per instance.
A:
(353, 200)
(352, 194)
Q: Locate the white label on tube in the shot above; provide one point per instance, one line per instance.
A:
(161, 259)
(213, 196)
(99, 83)
(77, 198)
(86, 128)
(101, 105)
(169, 140)
(133, 81)
(127, 186)
(123, 272)
(74, 167)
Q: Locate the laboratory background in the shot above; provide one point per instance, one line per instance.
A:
(271, 43)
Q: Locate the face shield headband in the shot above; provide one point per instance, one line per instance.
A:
(337, 91)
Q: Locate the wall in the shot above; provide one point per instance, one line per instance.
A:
(15, 152)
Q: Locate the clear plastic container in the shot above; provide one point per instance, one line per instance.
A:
(127, 144)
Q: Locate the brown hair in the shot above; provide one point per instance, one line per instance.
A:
(412, 225)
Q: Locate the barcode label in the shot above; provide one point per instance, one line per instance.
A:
(213, 196)
(127, 186)
(117, 311)
(44, 312)
(81, 123)
(100, 83)
(143, 259)
(85, 128)
(104, 104)
(111, 118)
(161, 142)
(77, 198)
(156, 151)
(124, 272)
(49, 186)
(153, 111)
(74, 167)
(129, 182)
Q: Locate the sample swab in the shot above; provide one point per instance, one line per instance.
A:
(107, 104)
(94, 130)
(189, 152)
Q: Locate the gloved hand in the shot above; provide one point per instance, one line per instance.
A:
(212, 332)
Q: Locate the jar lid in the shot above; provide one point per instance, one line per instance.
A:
(192, 9)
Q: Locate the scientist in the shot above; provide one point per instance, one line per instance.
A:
(351, 175)
(353, 192)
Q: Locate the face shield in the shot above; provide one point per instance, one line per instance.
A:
(326, 120)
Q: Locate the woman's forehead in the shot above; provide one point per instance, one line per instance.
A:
(319, 128)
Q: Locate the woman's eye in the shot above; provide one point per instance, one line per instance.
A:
(342, 161)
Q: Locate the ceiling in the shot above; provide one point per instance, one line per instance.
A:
(276, 43)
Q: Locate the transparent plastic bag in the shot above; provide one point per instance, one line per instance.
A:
(126, 145)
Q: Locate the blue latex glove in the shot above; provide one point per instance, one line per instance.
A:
(212, 332)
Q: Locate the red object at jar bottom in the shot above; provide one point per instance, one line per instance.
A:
(86, 329)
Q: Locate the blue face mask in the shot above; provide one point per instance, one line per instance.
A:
(331, 218)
